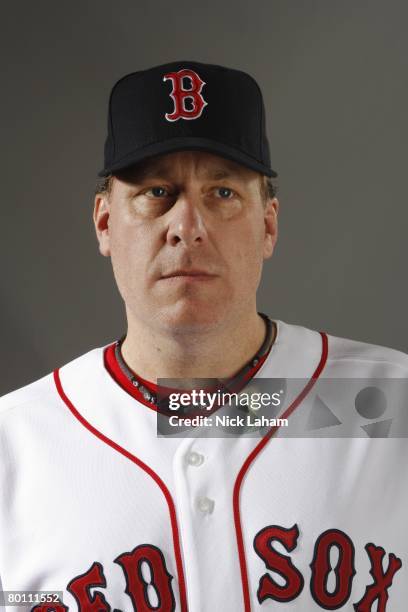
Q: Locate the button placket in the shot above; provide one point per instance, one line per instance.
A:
(205, 513)
(204, 504)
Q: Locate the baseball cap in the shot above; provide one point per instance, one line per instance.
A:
(186, 106)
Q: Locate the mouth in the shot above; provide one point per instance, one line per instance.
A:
(188, 275)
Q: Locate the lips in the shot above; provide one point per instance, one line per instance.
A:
(203, 274)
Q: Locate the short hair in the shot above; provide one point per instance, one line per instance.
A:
(104, 185)
(269, 186)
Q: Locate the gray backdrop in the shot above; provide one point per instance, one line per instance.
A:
(334, 76)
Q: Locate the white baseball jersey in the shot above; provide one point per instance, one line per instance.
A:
(94, 504)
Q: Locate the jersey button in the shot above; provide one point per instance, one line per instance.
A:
(205, 505)
(194, 458)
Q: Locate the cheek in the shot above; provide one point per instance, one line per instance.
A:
(127, 232)
(130, 254)
(244, 251)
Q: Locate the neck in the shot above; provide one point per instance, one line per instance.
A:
(156, 353)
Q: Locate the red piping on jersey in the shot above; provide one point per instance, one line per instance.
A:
(250, 459)
(150, 472)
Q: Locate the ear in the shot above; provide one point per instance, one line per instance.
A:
(101, 215)
(271, 226)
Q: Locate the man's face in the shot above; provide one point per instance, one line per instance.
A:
(187, 234)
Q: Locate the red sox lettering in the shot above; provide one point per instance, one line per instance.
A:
(376, 593)
(136, 584)
(139, 588)
(180, 94)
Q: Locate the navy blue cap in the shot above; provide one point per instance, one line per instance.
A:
(186, 106)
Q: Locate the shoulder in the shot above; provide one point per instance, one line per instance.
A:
(32, 392)
(357, 355)
(301, 349)
(42, 392)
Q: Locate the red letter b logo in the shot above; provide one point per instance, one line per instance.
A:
(180, 95)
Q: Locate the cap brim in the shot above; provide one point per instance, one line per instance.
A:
(187, 143)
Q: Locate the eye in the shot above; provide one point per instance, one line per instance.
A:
(157, 192)
(224, 192)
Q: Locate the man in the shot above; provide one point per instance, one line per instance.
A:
(95, 504)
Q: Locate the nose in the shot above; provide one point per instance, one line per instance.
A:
(186, 223)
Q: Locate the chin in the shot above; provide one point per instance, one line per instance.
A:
(192, 317)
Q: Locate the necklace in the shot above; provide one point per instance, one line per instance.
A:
(151, 397)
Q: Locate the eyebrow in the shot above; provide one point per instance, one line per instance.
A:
(219, 174)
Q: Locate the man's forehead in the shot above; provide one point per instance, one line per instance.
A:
(205, 165)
